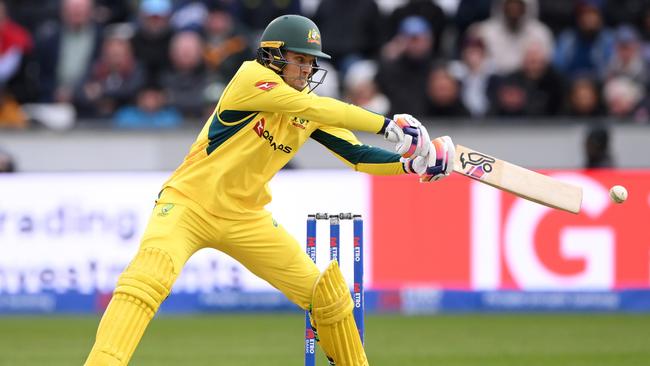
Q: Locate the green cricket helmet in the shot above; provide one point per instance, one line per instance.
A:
(291, 33)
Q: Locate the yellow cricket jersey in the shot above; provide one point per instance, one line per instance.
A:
(257, 127)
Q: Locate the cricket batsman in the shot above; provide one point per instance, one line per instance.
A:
(216, 197)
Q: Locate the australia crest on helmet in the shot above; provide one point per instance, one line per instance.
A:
(313, 36)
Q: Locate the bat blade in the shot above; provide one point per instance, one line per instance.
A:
(519, 181)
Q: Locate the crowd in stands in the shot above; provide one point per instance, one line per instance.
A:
(157, 63)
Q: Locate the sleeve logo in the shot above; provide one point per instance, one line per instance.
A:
(265, 85)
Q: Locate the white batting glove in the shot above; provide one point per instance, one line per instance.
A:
(409, 135)
(436, 165)
(439, 162)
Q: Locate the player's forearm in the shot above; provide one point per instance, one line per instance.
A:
(395, 168)
(363, 158)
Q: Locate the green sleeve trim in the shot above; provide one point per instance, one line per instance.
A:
(232, 116)
(355, 154)
(219, 133)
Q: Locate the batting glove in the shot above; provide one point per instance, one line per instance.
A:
(409, 135)
(438, 163)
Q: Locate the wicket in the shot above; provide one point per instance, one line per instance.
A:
(334, 246)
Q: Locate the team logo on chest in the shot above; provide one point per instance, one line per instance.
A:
(261, 131)
(299, 122)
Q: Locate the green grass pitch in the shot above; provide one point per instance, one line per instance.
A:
(277, 339)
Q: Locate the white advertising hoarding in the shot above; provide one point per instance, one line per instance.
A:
(77, 232)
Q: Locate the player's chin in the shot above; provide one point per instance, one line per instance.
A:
(298, 84)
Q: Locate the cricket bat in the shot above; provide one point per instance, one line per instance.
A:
(522, 182)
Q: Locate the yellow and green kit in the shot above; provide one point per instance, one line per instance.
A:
(257, 127)
(216, 199)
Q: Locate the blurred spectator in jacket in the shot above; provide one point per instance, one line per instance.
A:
(644, 33)
(587, 48)
(619, 12)
(509, 97)
(351, 28)
(113, 11)
(361, 88)
(558, 15)
(113, 80)
(508, 32)
(404, 68)
(583, 100)
(628, 60)
(475, 72)
(256, 14)
(427, 9)
(7, 164)
(226, 42)
(596, 147)
(443, 92)
(624, 99)
(187, 82)
(65, 51)
(150, 111)
(15, 45)
(31, 14)
(189, 15)
(153, 35)
(544, 85)
(468, 13)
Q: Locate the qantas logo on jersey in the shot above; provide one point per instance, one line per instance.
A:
(262, 132)
(265, 85)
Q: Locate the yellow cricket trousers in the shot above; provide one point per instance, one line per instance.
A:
(177, 229)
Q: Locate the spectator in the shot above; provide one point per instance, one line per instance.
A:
(558, 15)
(402, 74)
(443, 92)
(596, 147)
(66, 51)
(187, 81)
(15, 44)
(644, 30)
(257, 14)
(427, 9)
(584, 98)
(623, 99)
(152, 36)
(7, 164)
(189, 15)
(509, 98)
(31, 14)
(627, 60)
(475, 73)
(588, 48)
(468, 13)
(361, 89)
(113, 81)
(618, 12)
(113, 11)
(227, 44)
(352, 30)
(150, 111)
(544, 85)
(508, 32)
